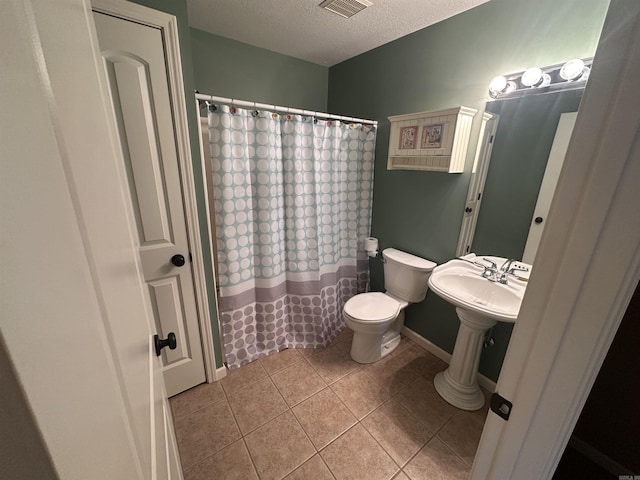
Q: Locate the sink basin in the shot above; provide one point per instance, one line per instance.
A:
(461, 283)
(480, 303)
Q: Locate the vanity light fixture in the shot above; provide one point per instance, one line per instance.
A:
(569, 75)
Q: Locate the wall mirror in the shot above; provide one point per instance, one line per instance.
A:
(517, 139)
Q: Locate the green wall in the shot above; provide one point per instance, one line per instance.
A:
(442, 66)
(521, 148)
(227, 68)
(179, 9)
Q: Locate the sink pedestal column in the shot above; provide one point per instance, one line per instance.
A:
(458, 384)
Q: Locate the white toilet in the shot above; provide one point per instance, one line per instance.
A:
(376, 318)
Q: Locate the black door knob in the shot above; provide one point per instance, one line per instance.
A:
(538, 220)
(177, 260)
(468, 209)
(170, 342)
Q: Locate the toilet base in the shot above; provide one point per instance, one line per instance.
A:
(390, 341)
(369, 348)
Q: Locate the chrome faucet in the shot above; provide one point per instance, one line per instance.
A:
(507, 269)
(505, 266)
(490, 272)
(493, 273)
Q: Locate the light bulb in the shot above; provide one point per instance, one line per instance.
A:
(496, 85)
(511, 86)
(546, 80)
(531, 77)
(572, 70)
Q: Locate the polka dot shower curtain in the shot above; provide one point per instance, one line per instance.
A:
(293, 206)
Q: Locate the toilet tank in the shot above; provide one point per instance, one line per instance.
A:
(405, 275)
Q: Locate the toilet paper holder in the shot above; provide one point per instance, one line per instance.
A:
(371, 247)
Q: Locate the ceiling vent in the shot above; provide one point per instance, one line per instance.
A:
(345, 8)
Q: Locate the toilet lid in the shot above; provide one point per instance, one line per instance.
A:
(373, 307)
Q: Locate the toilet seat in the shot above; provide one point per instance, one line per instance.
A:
(372, 307)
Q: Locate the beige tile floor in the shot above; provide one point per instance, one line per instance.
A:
(316, 414)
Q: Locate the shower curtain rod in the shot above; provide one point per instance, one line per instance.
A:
(277, 108)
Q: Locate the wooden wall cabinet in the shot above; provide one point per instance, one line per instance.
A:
(434, 141)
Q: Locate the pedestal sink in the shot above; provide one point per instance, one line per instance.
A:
(480, 303)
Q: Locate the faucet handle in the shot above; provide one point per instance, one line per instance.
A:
(494, 265)
(507, 263)
(478, 264)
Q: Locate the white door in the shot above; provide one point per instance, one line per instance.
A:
(549, 182)
(76, 318)
(134, 59)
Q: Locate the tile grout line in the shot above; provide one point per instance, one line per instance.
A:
(416, 419)
(436, 434)
(381, 446)
(318, 450)
(337, 379)
(267, 421)
(243, 436)
(253, 463)
(433, 435)
(290, 407)
(175, 418)
(453, 450)
(235, 421)
(290, 410)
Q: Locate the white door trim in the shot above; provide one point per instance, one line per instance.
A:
(587, 270)
(168, 24)
(205, 162)
(479, 172)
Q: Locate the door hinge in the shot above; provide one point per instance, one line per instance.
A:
(500, 406)
(491, 139)
(190, 258)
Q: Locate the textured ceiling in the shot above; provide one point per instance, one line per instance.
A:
(301, 29)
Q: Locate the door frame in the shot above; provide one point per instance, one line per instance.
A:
(586, 273)
(205, 159)
(168, 24)
(479, 171)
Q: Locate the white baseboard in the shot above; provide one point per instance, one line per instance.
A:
(445, 356)
(220, 373)
(599, 458)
